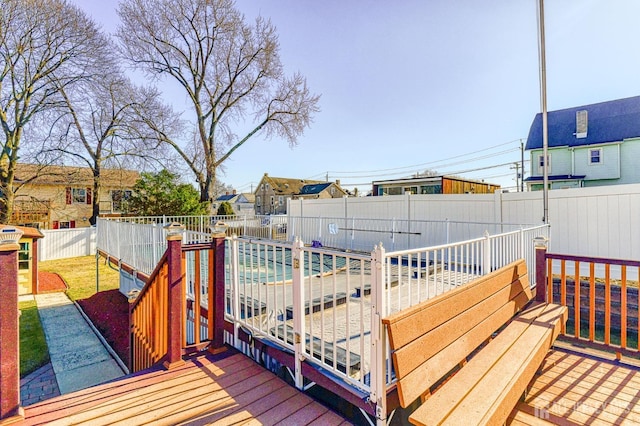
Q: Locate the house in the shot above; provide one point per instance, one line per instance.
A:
(242, 203)
(589, 145)
(272, 193)
(432, 185)
(56, 197)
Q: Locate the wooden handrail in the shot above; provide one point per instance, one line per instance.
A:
(589, 259)
(601, 307)
(149, 279)
(148, 320)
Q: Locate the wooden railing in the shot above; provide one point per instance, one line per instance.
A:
(148, 318)
(602, 297)
(181, 307)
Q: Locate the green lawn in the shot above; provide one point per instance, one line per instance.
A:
(80, 275)
(33, 346)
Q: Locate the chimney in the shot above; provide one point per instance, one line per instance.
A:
(338, 182)
(234, 192)
(226, 193)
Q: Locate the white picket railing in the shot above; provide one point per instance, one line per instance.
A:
(334, 300)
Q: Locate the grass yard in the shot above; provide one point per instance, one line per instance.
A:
(33, 346)
(80, 275)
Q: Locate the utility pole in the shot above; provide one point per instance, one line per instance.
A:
(522, 165)
(517, 167)
(543, 104)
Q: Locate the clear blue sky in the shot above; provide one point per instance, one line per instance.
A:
(446, 85)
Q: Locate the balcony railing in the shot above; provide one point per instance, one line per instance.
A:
(602, 297)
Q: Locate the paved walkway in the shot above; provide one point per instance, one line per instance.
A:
(78, 358)
(38, 386)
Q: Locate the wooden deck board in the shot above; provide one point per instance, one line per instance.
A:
(207, 390)
(575, 389)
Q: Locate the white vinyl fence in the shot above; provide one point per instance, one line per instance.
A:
(599, 221)
(64, 243)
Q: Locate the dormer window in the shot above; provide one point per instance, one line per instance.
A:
(581, 124)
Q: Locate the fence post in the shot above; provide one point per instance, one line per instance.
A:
(299, 331)
(541, 268)
(10, 409)
(486, 258)
(175, 296)
(218, 237)
(378, 394)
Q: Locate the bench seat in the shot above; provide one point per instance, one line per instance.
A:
(487, 388)
(491, 323)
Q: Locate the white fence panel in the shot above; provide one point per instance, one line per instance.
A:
(598, 221)
(64, 243)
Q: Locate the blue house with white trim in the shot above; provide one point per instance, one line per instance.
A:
(589, 145)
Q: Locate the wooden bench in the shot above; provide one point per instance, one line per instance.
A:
(432, 341)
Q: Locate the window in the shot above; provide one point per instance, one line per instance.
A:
(66, 224)
(79, 195)
(595, 156)
(541, 164)
(258, 199)
(119, 199)
(582, 120)
(281, 200)
(273, 200)
(23, 255)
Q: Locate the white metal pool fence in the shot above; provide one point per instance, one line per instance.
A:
(140, 241)
(334, 300)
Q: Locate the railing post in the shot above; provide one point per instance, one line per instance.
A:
(486, 258)
(218, 237)
(299, 331)
(235, 288)
(10, 409)
(175, 296)
(378, 383)
(541, 268)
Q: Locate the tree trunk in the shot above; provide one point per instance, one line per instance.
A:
(6, 204)
(97, 190)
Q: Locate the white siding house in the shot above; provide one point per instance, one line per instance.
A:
(589, 145)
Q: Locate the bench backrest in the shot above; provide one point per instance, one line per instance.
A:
(429, 339)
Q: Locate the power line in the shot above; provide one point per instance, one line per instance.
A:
(460, 172)
(370, 173)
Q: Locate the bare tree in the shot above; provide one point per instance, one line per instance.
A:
(230, 71)
(41, 41)
(105, 126)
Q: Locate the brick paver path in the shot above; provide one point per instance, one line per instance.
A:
(38, 386)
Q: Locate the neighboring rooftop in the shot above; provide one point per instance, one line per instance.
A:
(71, 175)
(611, 121)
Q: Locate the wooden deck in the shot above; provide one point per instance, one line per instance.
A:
(574, 389)
(225, 389)
(230, 388)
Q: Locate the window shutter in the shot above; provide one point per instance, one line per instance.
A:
(72, 224)
(56, 224)
(68, 195)
(89, 196)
